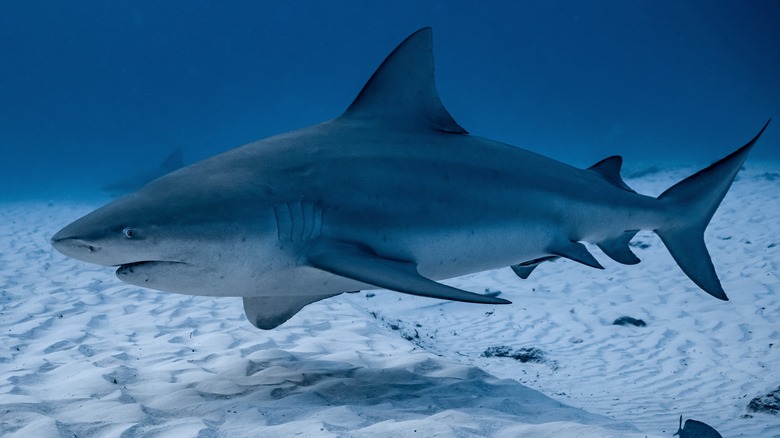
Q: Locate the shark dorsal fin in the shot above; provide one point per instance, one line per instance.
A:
(174, 161)
(402, 90)
(609, 169)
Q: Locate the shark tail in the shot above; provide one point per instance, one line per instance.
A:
(693, 202)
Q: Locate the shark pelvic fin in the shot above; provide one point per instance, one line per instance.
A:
(523, 270)
(609, 169)
(617, 249)
(362, 265)
(270, 312)
(402, 91)
(577, 252)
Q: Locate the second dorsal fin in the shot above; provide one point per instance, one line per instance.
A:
(609, 169)
(403, 90)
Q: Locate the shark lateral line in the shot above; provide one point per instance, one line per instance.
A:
(393, 194)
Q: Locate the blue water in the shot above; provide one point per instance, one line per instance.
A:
(94, 90)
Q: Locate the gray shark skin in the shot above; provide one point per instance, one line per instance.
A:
(393, 194)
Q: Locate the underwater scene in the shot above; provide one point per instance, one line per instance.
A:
(364, 218)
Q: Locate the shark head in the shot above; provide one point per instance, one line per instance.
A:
(117, 234)
(163, 237)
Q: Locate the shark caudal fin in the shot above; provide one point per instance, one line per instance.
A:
(693, 202)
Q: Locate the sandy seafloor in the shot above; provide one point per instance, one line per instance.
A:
(82, 354)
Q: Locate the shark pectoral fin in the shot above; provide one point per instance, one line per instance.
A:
(270, 312)
(617, 249)
(577, 252)
(362, 265)
(523, 270)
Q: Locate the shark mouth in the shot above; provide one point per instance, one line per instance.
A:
(131, 268)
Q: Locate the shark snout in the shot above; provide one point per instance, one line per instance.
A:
(74, 247)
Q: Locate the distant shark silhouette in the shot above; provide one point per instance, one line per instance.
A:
(173, 162)
(392, 194)
(696, 429)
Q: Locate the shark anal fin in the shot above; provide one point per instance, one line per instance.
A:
(362, 265)
(523, 270)
(617, 249)
(577, 252)
(270, 312)
(609, 169)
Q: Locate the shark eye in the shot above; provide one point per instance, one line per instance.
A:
(129, 232)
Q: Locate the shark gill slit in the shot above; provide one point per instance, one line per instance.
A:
(298, 221)
(283, 221)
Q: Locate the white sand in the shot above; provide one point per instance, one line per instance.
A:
(83, 354)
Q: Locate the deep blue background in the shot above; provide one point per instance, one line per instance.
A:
(92, 90)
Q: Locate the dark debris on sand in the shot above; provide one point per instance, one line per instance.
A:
(523, 355)
(766, 404)
(627, 320)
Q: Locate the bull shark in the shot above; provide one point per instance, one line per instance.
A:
(128, 184)
(392, 194)
(696, 429)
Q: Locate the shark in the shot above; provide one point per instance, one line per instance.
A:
(696, 429)
(173, 161)
(392, 194)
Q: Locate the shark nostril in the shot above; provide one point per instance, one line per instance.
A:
(70, 245)
(86, 246)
